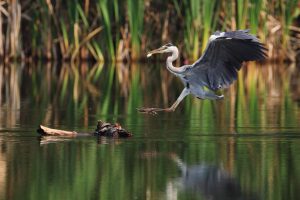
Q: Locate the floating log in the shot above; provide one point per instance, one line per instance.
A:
(102, 129)
(43, 130)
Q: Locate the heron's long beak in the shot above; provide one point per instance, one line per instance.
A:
(159, 50)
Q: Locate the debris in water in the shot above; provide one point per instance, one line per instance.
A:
(111, 130)
(102, 129)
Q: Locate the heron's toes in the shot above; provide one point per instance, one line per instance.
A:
(151, 111)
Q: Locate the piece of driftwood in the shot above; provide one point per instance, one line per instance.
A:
(43, 130)
(102, 129)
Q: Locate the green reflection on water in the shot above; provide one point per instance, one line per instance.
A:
(250, 140)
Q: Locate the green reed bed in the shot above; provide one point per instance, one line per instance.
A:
(192, 27)
(125, 30)
(105, 13)
(135, 14)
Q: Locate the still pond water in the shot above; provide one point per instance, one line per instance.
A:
(246, 146)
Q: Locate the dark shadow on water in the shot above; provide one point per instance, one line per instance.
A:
(210, 182)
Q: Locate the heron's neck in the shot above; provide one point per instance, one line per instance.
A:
(170, 60)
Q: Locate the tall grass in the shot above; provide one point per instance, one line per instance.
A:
(106, 19)
(10, 41)
(192, 25)
(255, 8)
(241, 13)
(210, 10)
(102, 29)
(135, 13)
(287, 10)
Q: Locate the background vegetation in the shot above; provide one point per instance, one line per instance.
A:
(125, 29)
(253, 134)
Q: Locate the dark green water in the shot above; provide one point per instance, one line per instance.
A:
(246, 146)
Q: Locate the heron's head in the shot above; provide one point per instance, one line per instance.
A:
(167, 48)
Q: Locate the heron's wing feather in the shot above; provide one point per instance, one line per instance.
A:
(223, 57)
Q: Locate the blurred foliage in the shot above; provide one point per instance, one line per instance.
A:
(120, 30)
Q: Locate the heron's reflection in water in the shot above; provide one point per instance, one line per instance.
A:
(208, 182)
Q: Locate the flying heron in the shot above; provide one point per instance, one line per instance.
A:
(216, 69)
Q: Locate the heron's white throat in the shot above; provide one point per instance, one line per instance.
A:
(149, 55)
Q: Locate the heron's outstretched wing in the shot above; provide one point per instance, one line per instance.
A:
(223, 57)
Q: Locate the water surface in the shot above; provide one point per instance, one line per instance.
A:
(246, 146)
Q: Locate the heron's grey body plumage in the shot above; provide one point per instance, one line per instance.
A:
(217, 68)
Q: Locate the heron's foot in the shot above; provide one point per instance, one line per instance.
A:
(153, 111)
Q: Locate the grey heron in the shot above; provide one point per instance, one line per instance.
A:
(217, 68)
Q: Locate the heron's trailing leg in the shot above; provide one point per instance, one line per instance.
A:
(183, 94)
